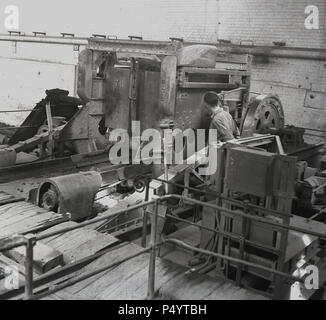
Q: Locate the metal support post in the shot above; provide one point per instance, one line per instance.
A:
(30, 242)
(50, 126)
(144, 229)
(151, 271)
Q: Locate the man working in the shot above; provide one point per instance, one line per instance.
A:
(222, 121)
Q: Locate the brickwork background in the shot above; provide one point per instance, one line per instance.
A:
(265, 21)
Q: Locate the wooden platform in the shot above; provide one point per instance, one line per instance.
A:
(129, 281)
(78, 244)
(20, 217)
(5, 197)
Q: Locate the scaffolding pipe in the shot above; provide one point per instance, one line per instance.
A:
(231, 259)
(30, 242)
(88, 275)
(7, 245)
(152, 259)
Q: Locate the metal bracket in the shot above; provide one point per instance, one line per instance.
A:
(135, 37)
(30, 243)
(64, 35)
(103, 36)
(19, 33)
(37, 33)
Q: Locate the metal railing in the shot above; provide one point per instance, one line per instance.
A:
(29, 242)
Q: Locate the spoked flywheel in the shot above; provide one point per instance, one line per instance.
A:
(264, 114)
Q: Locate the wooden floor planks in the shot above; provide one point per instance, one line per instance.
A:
(128, 280)
(21, 216)
(79, 243)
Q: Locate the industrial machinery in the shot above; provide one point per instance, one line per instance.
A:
(271, 208)
(262, 233)
(125, 81)
(266, 189)
(120, 81)
(60, 194)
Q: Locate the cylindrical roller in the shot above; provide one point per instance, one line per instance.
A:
(73, 193)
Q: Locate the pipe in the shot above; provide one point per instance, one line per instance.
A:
(87, 275)
(225, 233)
(20, 243)
(259, 219)
(30, 242)
(144, 228)
(249, 205)
(151, 285)
(19, 110)
(174, 241)
(56, 273)
(47, 39)
(239, 261)
(163, 198)
(152, 259)
(318, 54)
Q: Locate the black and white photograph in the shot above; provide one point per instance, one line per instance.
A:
(163, 154)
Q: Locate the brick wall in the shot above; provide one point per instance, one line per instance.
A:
(193, 20)
(301, 86)
(265, 21)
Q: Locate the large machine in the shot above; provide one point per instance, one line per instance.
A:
(262, 224)
(261, 206)
(120, 81)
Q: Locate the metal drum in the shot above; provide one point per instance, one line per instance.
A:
(73, 194)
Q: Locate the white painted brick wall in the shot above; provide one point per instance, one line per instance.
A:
(193, 20)
(265, 21)
(295, 82)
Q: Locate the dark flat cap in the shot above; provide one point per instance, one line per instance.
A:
(211, 98)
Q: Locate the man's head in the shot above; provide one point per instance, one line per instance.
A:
(211, 100)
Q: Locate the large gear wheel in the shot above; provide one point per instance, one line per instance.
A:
(264, 114)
